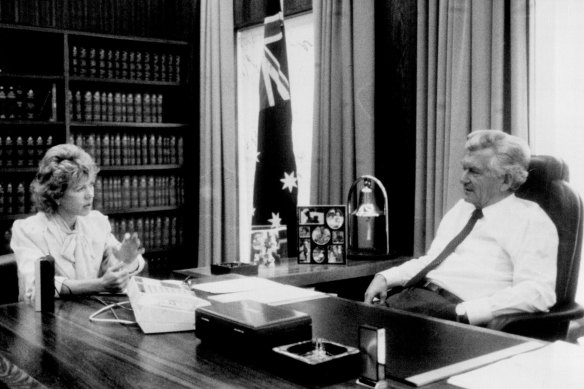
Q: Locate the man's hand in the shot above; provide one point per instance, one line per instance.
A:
(115, 278)
(377, 289)
(130, 249)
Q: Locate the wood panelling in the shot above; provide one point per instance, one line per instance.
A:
(251, 12)
(395, 114)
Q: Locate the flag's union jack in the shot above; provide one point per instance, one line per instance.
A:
(271, 70)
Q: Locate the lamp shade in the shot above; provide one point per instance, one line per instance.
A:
(368, 224)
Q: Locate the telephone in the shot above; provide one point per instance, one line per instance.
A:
(163, 306)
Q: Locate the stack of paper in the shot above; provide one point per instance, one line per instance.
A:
(256, 289)
(242, 284)
(558, 365)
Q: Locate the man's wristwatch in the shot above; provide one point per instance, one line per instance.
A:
(461, 315)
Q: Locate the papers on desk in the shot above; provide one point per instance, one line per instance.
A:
(242, 284)
(456, 368)
(558, 365)
(281, 294)
(256, 289)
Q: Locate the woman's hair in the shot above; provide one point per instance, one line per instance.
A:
(62, 166)
(511, 157)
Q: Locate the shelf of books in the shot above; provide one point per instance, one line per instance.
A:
(122, 99)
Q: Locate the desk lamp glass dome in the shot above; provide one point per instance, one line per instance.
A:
(368, 223)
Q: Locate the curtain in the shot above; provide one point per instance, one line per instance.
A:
(472, 73)
(343, 101)
(218, 220)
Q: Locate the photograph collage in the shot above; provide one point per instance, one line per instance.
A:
(322, 234)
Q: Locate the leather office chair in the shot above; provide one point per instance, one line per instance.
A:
(547, 185)
(8, 279)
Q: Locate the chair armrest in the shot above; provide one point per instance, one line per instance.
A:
(557, 314)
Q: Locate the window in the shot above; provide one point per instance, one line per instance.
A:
(300, 50)
(558, 114)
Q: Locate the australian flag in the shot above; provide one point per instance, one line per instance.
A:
(276, 183)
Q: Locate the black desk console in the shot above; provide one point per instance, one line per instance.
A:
(251, 326)
(419, 349)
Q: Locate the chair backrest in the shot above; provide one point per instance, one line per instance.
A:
(548, 186)
(8, 279)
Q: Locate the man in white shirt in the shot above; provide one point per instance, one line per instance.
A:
(506, 264)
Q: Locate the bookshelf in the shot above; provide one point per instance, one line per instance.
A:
(123, 100)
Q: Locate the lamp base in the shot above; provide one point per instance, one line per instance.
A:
(359, 255)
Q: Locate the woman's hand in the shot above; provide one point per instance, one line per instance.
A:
(130, 249)
(115, 279)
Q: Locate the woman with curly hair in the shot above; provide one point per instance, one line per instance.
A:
(88, 258)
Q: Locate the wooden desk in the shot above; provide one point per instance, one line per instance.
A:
(65, 350)
(290, 272)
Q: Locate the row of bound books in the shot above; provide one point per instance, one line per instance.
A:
(119, 107)
(15, 198)
(154, 232)
(20, 102)
(113, 63)
(128, 192)
(111, 193)
(22, 151)
(132, 149)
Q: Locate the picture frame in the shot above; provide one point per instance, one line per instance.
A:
(322, 234)
(268, 245)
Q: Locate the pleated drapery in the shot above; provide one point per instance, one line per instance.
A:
(343, 137)
(218, 218)
(472, 73)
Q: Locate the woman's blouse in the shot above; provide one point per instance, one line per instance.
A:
(84, 252)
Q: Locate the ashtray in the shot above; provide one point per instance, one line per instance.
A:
(319, 360)
(248, 269)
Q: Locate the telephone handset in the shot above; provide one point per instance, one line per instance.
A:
(163, 306)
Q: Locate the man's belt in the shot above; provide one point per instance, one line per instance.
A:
(429, 285)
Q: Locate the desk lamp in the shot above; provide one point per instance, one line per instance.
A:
(368, 223)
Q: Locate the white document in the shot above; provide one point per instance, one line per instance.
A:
(273, 295)
(469, 364)
(243, 284)
(558, 365)
(163, 306)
